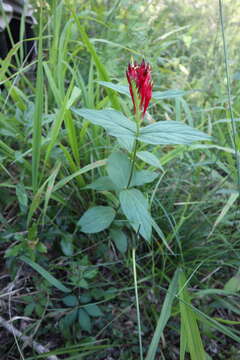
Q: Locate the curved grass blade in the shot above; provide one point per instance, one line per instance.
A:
(164, 316)
(45, 274)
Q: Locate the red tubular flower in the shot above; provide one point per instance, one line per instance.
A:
(140, 75)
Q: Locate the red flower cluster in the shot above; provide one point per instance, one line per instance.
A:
(140, 74)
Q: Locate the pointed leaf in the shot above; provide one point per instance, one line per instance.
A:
(168, 94)
(44, 273)
(135, 208)
(114, 122)
(103, 183)
(149, 158)
(96, 219)
(170, 133)
(143, 177)
(120, 239)
(84, 320)
(164, 316)
(190, 326)
(118, 169)
(93, 310)
(122, 89)
(70, 300)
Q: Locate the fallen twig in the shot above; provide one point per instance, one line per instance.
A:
(40, 349)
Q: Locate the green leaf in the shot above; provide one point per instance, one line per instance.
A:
(168, 94)
(135, 208)
(96, 219)
(126, 143)
(83, 170)
(70, 300)
(90, 274)
(149, 158)
(233, 284)
(143, 177)
(122, 89)
(157, 95)
(170, 133)
(120, 240)
(44, 273)
(114, 122)
(22, 197)
(67, 245)
(103, 183)
(69, 319)
(118, 169)
(93, 310)
(84, 320)
(83, 284)
(189, 327)
(99, 65)
(28, 310)
(85, 298)
(76, 92)
(164, 316)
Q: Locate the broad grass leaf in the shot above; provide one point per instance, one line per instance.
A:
(83, 170)
(99, 65)
(170, 133)
(164, 316)
(135, 207)
(114, 122)
(75, 94)
(22, 197)
(228, 205)
(44, 273)
(189, 326)
(120, 240)
(96, 219)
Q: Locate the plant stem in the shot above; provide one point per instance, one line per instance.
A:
(137, 302)
(133, 163)
(138, 122)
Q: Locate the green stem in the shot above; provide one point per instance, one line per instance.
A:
(138, 123)
(137, 302)
(133, 163)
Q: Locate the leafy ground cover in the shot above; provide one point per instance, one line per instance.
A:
(120, 235)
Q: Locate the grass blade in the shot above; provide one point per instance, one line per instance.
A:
(44, 273)
(190, 326)
(164, 316)
(37, 121)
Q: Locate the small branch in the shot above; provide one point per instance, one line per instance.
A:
(40, 349)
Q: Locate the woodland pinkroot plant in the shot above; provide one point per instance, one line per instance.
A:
(123, 177)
